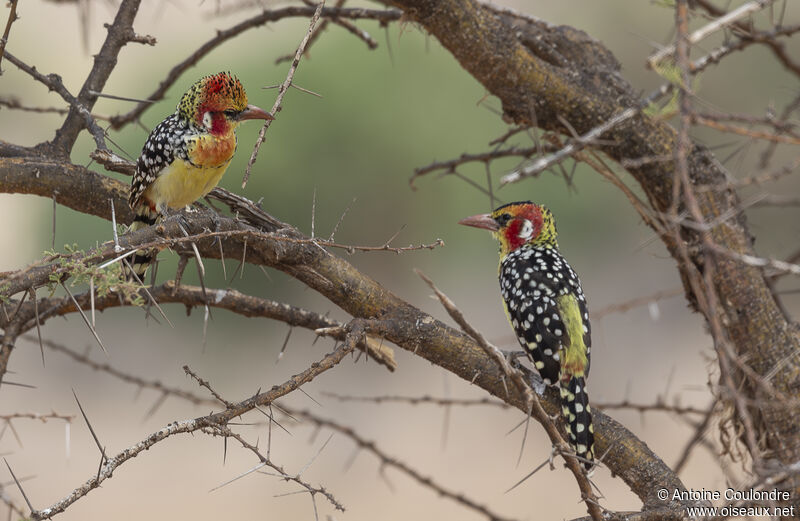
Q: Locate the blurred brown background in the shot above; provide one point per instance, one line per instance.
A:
(383, 113)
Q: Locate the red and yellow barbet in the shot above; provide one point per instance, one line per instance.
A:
(186, 155)
(546, 307)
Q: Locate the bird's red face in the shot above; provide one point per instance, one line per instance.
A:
(516, 224)
(218, 103)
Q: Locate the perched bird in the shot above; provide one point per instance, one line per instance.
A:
(546, 307)
(186, 154)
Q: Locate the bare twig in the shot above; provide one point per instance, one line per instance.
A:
(120, 33)
(659, 406)
(53, 82)
(754, 134)
(778, 266)
(622, 307)
(416, 400)
(221, 430)
(229, 299)
(388, 461)
(720, 23)
(698, 435)
(189, 426)
(124, 376)
(324, 25)
(266, 16)
(768, 38)
(37, 416)
(450, 166)
(575, 145)
(276, 107)
(12, 17)
(769, 120)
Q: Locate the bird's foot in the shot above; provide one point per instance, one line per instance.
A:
(534, 380)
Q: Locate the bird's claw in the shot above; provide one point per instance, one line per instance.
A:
(183, 222)
(512, 356)
(535, 381)
(537, 384)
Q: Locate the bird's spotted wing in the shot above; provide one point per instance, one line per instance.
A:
(166, 143)
(531, 282)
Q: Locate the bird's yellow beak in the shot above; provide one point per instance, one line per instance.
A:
(483, 221)
(253, 112)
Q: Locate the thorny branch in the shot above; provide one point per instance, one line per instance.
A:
(284, 87)
(54, 83)
(12, 17)
(266, 16)
(416, 400)
(717, 24)
(163, 389)
(658, 406)
(711, 249)
(222, 430)
(282, 247)
(212, 421)
(120, 33)
(37, 416)
(192, 296)
(388, 461)
(746, 34)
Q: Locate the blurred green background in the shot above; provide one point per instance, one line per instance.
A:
(383, 113)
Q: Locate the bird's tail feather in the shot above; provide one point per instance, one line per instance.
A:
(143, 258)
(578, 417)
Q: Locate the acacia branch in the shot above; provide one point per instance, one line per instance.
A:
(266, 16)
(282, 89)
(193, 296)
(211, 421)
(120, 33)
(748, 35)
(280, 246)
(546, 75)
(716, 25)
(53, 82)
(12, 17)
(398, 465)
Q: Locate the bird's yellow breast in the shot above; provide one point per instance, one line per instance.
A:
(181, 183)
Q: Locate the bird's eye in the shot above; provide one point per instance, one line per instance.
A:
(230, 113)
(503, 219)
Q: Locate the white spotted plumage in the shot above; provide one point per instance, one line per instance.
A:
(540, 329)
(546, 308)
